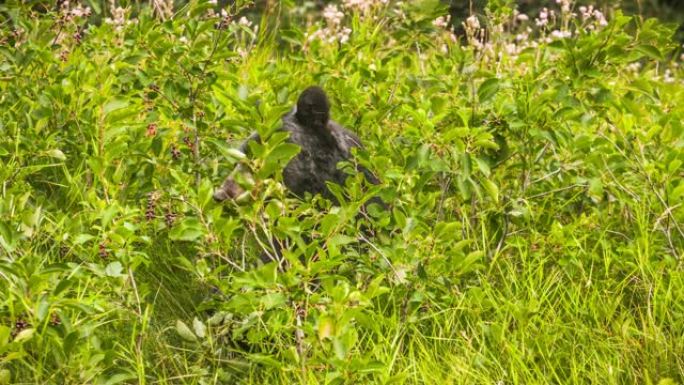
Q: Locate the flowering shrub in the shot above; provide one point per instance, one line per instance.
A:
(532, 169)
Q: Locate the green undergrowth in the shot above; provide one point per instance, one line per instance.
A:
(534, 230)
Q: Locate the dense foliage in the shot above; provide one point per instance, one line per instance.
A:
(533, 169)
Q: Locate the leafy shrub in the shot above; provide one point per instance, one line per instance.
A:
(533, 170)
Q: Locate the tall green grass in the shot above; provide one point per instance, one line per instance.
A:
(534, 233)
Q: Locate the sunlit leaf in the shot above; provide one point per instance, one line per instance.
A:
(184, 331)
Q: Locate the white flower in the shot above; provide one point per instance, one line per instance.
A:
(362, 5)
(333, 15)
(634, 67)
(441, 22)
(343, 36)
(565, 5)
(557, 34)
(511, 48)
(543, 18)
(315, 35)
(79, 11)
(523, 17)
(600, 18)
(586, 12)
(183, 40)
(473, 23)
(245, 22)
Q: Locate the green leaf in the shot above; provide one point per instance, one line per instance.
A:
(447, 230)
(114, 105)
(235, 153)
(678, 193)
(188, 230)
(42, 309)
(340, 348)
(56, 153)
(25, 335)
(596, 189)
(200, 329)
(82, 238)
(119, 378)
(185, 332)
(463, 187)
(114, 269)
(265, 360)
(667, 381)
(488, 89)
(326, 327)
(272, 300)
(276, 158)
(650, 51)
(466, 165)
(492, 189)
(483, 166)
(243, 92)
(5, 333)
(469, 263)
(674, 166)
(5, 377)
(284, 152)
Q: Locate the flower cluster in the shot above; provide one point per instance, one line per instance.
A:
(224, 18)
(475, 34)
(559, 34)
(668, 76)
(543, 19)
(245, 22)
(333, 15)
(71, 23)
(163, 8)
(78, 11)
(634, 67)
(246, 40)
(502, 42)
(118, 19)
(334, 31)
(442, 21)
(564, 5)
(588, 13)
(364, 6)
(17, 35)
(549, 25)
